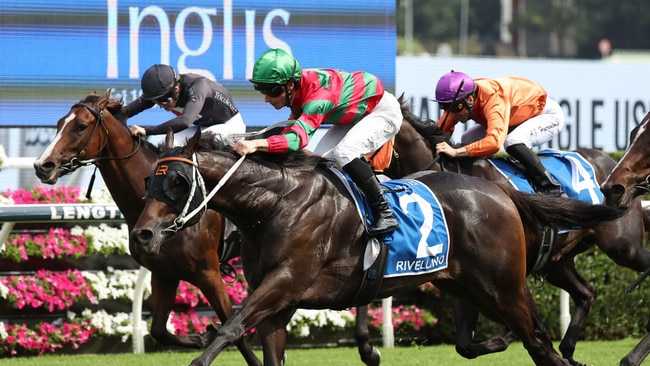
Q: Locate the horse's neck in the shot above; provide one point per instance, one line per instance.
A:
(256, 194)
(124, 178)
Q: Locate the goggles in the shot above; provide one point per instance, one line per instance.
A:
(272, 90)
(452, 108)
(165, 99)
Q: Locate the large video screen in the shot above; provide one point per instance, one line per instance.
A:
(55, 52)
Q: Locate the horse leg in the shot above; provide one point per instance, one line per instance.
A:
(639, 352)
(163, 294)
(519, 313)
(564, 275)
(369, 354)
(466, 319)
(212, 287)
(273, 334)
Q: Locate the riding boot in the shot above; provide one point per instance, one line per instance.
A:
(542, 180)
(363, 177)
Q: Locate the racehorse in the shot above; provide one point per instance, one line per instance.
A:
(304, 240)
(94, 131)
(621, 240)
(627, 181)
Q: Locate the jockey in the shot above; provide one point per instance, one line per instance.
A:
(194, 99)
(510, 112)
(363, 115)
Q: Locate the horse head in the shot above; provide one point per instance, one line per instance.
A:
(178, 192)
(631, 176)
(81, 136)
(415, 144)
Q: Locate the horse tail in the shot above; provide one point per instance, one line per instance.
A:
(559, 211)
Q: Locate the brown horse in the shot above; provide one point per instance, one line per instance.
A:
(627, 181)
(621, 240)
(304, 240)
(94, 131)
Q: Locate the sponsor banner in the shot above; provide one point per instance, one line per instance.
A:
(56, 52)
(61, 213)
(602, 101)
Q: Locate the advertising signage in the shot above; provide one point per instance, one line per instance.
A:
(55, 52)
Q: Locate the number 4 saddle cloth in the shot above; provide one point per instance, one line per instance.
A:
(570, 169)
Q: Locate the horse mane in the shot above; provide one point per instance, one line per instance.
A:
(298, 160)
(114, 107)
(426, 127)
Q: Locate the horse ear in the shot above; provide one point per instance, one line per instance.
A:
(103, 101)
(194, 141)
(169, 139)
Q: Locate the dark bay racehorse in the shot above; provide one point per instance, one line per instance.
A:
(621, 240)
(304, 241)
(94, 132)
(627, 181)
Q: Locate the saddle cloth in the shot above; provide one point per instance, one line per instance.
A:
(421, 244)
(570, 169)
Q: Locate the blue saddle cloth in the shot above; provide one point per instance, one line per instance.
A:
(421, 244)
(570, 169)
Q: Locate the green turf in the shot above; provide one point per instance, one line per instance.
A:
(597, 353)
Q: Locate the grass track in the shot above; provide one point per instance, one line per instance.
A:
(599, 353)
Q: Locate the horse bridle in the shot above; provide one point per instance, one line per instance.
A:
(197, 180)
(76, 162)
(645, 185)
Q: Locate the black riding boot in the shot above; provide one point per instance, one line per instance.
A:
(542, 179)
(364, 178)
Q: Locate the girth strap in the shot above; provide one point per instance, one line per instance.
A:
(549, 237)
(372, 278)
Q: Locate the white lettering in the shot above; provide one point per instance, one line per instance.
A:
(137, 17)
(419, 265)
(250, 43)
(69, 213)
(134, 36)
(111, 67)
(267, 34)
(227, 40)
(179, 33)
(54, 215)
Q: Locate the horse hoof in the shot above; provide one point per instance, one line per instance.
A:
(374, 358)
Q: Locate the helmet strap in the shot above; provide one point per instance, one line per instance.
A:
(289, 93)
(468, 106)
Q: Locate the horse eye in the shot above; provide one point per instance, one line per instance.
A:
(177, 187)
(80, 127)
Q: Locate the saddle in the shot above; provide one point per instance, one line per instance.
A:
(379, 160)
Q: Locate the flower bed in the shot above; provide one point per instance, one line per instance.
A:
(65, 276)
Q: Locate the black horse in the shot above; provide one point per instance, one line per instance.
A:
(304, 240)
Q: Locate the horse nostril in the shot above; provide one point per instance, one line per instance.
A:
(142, 236)
(44, 167)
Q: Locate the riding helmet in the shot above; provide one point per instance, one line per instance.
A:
(449, 88)
(276, 66)
(158, 81)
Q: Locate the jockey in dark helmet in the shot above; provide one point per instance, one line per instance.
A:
(195, 100)
(362, 121)
(510, 112)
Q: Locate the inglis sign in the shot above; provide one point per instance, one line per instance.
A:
(602, 101)
(56, 52)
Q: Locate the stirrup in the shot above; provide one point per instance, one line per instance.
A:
(386, 226)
